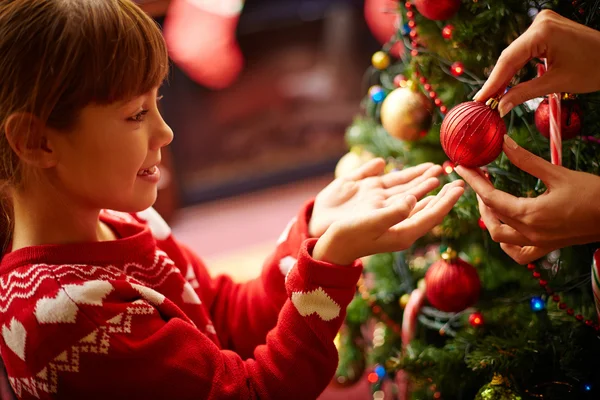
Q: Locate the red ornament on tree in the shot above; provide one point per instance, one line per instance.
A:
(571, 115)
(452, 284)
(437, 9)
(382, 17)
(447, 32)
(472, 133)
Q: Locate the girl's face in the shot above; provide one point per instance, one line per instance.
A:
(109, 159)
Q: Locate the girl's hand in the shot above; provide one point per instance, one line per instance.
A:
(568, 213)
(393, 227)
(573, 54)
(365, 189)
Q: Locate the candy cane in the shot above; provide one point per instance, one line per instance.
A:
(596, 281)
(555, 120)
(409, 329)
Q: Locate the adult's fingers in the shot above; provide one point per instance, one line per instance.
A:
(550, 82)
(497, 200)
(529, 162)
(524, 255)
(512, 59)
(498, 231)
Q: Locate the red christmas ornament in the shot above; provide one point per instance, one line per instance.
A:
(476, 319)
(382, 17)
(472, 133)
(437, 9)
(457, 69)
(448, 31)
(571, 115)
(452, 284)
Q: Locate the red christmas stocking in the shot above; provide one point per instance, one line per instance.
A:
(200, 35)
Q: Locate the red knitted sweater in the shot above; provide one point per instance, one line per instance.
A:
(140, 318)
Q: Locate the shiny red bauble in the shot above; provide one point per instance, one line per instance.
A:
(437, 9)
(383, 22)
(571, 116)
(472, 134)
(452, 285)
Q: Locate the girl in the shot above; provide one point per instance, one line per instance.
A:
(107, 304)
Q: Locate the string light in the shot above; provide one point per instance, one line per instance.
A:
(537, 304)
(400, 81)
(447, 32)
(373, 378)
(448, 167)
(377, 94)
(476, 319)
(457, 69)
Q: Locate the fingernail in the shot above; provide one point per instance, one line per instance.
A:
(411, 200)
(505, 108)
(476, 97)
(510, 143)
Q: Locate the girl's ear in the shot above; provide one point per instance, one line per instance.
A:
(27, 137)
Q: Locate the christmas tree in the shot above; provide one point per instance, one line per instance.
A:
(454, 317)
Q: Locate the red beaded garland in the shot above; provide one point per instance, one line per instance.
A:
(561, 305)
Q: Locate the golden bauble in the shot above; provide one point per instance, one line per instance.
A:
(406, 114)
(380, 60)
(352, 160)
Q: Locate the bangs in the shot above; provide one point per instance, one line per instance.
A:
(132, 57)
(110, 51)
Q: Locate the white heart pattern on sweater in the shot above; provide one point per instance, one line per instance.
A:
(60, 309)
(15, 337)
(63, 308)
(317, 302)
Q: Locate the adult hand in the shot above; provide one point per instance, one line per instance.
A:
(394, 227)
(573, 54)
(568, 213)
(366, 189)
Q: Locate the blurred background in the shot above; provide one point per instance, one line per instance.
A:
(259, 98)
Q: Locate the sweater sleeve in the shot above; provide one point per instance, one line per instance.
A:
(243, 313)
(145, 347)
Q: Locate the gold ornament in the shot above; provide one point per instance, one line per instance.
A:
(421, 284)
(404, 300)
(406, 114)
(498, 389)
(380, 60)
(352, 160)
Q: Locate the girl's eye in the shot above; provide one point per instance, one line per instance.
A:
(139, 117)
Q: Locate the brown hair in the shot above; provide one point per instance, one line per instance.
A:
(57, 56)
